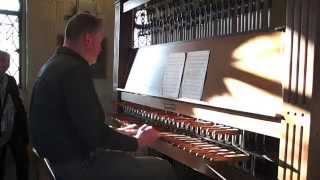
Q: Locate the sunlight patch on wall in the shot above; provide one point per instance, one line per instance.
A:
(261, 56)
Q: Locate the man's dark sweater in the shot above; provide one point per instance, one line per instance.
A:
(66, 117)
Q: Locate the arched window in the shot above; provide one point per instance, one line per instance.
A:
(10, 15)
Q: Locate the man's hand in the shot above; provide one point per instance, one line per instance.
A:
(129, 130)
(146, 135)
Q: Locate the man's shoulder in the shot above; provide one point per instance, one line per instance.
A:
(12, 84)
(68, 61)
(11, 79)
(60, 64)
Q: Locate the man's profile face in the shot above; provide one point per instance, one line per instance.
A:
(94, 45)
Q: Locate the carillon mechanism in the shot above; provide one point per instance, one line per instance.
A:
(206, 74)
(205, 141)
(179, 124)
(142, 32)
(163, 21)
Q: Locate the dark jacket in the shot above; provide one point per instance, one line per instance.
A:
(66, 117)
(20, 133)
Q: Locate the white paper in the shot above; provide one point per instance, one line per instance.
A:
(194, 74)
(172, 75)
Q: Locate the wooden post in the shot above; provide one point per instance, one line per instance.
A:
(299, 143)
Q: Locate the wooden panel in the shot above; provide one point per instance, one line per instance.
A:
(295, 52)
(237, 76)
(313, 87)
(116, 52)
(294, 147)
(302, 53)
(299, 144)
(288, 37)
(123, 25)
(243, 74)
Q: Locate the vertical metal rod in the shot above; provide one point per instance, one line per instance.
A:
(210, 20)
(190, 25)
(254, 14)
(265, 16)
(237, 15)
(214, 11)
(219, 17)
(197, 23)
(198, 36)
(208, 15)
(224, 18)
(258, 8)
(246, 16)
(234, 16)
(229, 24)
(242, 16)
(250, 13)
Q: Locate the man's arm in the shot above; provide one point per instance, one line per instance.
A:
(21, 116)
(87, 114)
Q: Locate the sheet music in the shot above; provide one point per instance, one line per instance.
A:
(194, 74)
(172, 75)
(146, 74)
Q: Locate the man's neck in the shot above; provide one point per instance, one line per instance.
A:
(76, 48)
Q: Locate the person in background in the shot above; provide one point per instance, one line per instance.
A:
(67, 120)
(13, 122)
